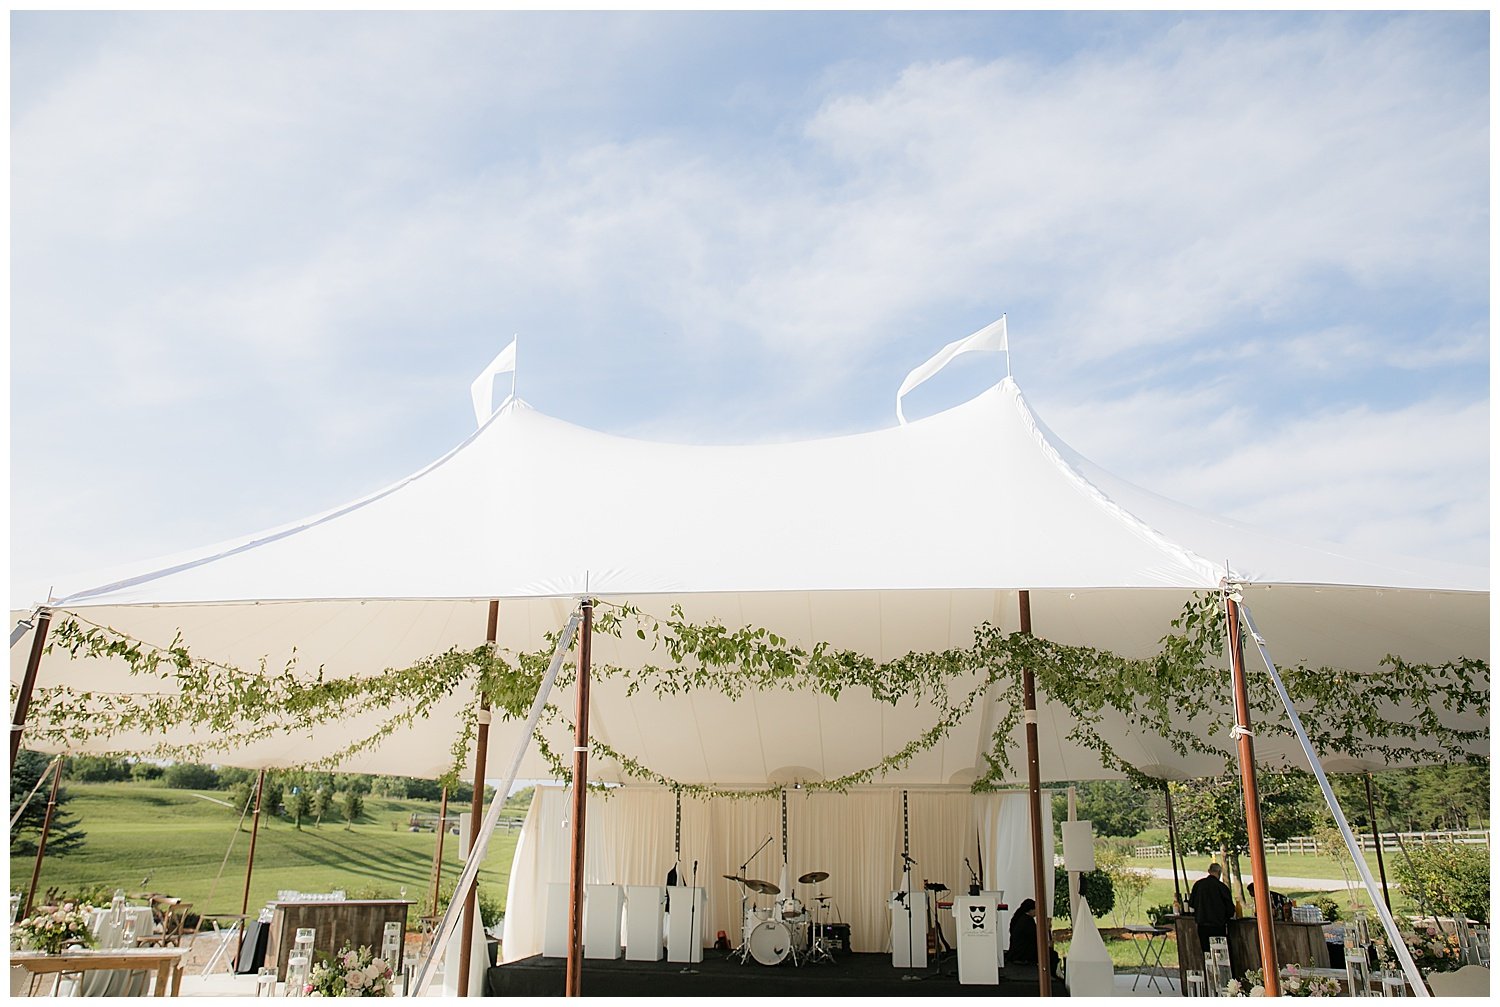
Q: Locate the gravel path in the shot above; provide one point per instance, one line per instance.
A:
(1277, 882)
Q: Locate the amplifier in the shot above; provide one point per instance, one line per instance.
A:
(837, 936)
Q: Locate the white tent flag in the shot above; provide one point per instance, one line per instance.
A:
(482, 391)
(991, 338)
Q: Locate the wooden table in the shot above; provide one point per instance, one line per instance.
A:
(354, 922)
(1300, 944)
(166, 961)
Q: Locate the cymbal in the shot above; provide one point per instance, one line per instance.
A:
(813, 878)
(763, 887)
(734, 877)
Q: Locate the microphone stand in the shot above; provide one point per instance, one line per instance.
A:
(744, 949)
(905, 900)
(693, 943)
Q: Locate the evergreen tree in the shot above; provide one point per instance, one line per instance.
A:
(64, 836)
(298, 803)
(322, 800)
(352, 803)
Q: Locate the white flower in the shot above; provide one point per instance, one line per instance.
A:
(355, 979)
(1258, 991)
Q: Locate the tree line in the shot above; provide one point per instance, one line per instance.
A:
(298, 795)
(1210, 814)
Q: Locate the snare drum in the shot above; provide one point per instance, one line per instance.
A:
(791, 909)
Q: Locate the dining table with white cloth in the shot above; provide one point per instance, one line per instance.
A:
(108, 936)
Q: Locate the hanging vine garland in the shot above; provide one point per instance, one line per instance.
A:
(235, 707)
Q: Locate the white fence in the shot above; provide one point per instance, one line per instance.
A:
(1388, 841)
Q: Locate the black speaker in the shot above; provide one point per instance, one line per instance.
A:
(837, 936)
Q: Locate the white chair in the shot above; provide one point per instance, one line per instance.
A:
(225, 937)
(1479, 946)
(1469, 981)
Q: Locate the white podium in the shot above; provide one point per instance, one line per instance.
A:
(976, 928)
(685, 924)
(555, 931)
(601, 920)
(908, 929)
(644, 905)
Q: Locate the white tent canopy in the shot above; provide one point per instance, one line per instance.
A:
(904, 539)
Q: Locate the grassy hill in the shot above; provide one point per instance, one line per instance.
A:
(143, 836)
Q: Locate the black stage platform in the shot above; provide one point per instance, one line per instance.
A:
(717, 975)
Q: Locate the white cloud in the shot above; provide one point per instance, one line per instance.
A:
(1409, 481)
(312, 225)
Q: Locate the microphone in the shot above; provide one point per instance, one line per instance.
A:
(908, 859)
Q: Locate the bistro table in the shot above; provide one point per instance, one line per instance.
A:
(1150, 951)
(167, 963)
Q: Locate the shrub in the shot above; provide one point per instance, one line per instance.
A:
(1447, 879)
(490, 910)
(97, 769)
(230, 775)
(191, 776)
(142, 772)
(1329, 907)
(1095, 886)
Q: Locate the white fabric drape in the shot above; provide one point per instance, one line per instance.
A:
(942, 833)
(1005, 827)
(854, 837)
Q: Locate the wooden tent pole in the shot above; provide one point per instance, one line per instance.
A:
(1385, 889)
(1040, 864)
(437, 853)
(28, 683)
(1245, 742)
(41, 843)
(476, 815)
(260, 790)
(1166, 789)
(573, 982)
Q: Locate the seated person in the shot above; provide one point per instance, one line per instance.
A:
(1022, 950)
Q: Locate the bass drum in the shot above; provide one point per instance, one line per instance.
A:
(770, 942)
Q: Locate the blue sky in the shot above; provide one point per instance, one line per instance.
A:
(258, 258)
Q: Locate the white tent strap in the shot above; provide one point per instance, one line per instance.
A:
(54, 766)
(470, 872)
(23, 626)
(1403, 954)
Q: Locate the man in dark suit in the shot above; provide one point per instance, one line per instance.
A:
(1213, 906)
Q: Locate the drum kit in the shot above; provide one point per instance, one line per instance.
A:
(785, 930)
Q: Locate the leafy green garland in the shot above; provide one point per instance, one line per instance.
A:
(236, 707)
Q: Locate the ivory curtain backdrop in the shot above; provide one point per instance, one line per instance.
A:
(855, 837)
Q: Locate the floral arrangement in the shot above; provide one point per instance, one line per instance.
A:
(1293, 984)
(352, 973)
(51, 930)
(1431, 949)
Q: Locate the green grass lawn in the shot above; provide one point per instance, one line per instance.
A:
(139, 831)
